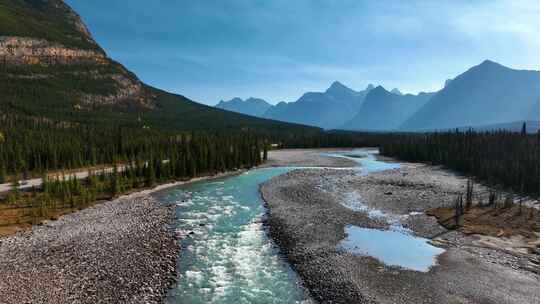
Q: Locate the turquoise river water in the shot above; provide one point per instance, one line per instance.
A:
(226, 254)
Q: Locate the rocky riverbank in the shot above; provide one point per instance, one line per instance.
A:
(310, 209)
(121, 251)
(306, 158)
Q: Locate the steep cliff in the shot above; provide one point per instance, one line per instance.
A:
(45, 46)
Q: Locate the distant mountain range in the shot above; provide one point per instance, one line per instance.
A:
(383, 110)
(329, 109)
(251, 106)
(488, 95)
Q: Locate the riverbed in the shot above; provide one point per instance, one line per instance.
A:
(339, 227)
(363, 237)
(227, 255)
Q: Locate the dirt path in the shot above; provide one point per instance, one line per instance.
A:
(286, 157)
(78, 174)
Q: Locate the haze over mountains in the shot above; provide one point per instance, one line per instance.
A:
(383, 110)
(251, 106)
(327, 109)
(488, 95)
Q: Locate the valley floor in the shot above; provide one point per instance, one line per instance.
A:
(123, 251)
(308, 215)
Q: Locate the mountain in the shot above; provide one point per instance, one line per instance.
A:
(251, 106)
(276, 110)
(486, 94)
(52, 67)
(383, 110)
(396, 91)
(534, 114)
(329, 109)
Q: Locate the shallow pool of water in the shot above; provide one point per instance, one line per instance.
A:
(393, 247)
(367, 160)
(396, 246)
(226, 255)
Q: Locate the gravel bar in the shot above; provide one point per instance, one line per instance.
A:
(307, 220)
(307, 158)
(121, 251)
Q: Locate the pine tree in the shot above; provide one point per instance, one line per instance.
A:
(150, 174)
(3, 174)
(524, 129)
(116, 187)
(15, 185)
(265, 152)
(45, 185)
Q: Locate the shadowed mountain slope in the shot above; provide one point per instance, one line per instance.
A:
(251, 106)
(486, 94)
(383, 110)
(329, 109)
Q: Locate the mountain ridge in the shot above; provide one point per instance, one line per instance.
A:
(251, 106)
(328, 109)
(485, 94)
(385, 110)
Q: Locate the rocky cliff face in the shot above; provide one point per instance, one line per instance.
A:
(93, 80)
(128, 94)
(23, 50)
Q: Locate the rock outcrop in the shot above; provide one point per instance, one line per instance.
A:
(25, 50)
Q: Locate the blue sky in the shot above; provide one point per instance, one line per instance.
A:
(209, 50)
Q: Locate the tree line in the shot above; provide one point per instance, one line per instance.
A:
(32, 146)
(503, 159)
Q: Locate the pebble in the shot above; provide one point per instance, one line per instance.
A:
(115, 252)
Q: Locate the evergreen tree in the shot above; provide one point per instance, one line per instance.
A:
(15, 185)
(265, 152)
(3, 174)
(116, 187)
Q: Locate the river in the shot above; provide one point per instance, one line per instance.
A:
(226, 253)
